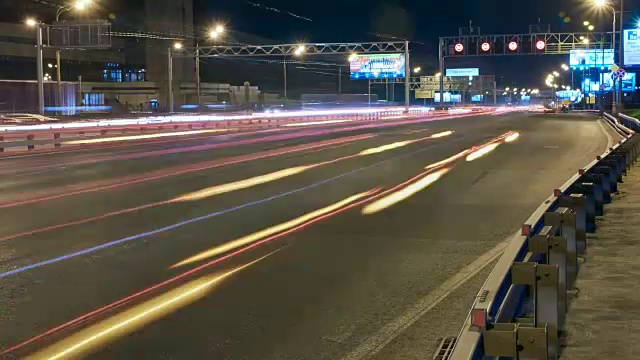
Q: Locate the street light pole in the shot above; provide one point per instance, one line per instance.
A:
(58, 65)
(407, 72)
(620, 55)
(40, 70)
(198, 73)
(170, 79)
(614, 93)
(284, 63)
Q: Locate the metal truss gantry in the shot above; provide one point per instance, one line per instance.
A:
(289, 50)
(554, 44)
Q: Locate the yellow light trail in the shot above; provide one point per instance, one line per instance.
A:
(257, 236)
(401, 195)
(133, 319)
(511, 138)
(442, 134)
(482, 151)
(141, 137)
(384, 148)
(242, 184)
(399, 144)
(319, 123)
(447, 160)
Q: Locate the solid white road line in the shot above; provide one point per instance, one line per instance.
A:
(391, 330)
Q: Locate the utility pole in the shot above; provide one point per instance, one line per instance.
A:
(620, 54)
(407, 75)
(170, 78)
(284, 63)
(40, 69)
(198, 73)
(339, 80)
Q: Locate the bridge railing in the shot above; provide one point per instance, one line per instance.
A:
(520, 310)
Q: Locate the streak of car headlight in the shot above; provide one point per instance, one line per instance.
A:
(511, 138)
(257, 236)
(242, 184)
(386, 147)
(482, 151)
(442, 134)
(447, 160)
(113, 328)
(403, 194)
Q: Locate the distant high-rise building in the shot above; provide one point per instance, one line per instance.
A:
(171, 20)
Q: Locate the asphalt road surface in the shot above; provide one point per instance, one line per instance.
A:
(319, 242)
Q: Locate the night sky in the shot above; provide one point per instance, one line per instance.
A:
(420, 21)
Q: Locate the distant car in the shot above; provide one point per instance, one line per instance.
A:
(549, 110)
(564, 109)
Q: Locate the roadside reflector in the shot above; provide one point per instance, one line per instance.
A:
(479, 318)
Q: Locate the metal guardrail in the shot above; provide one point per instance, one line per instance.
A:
(520, 310)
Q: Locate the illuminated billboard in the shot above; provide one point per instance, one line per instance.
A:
(377, 66)
(591, 58)
(463, 72)
(632, 47)
(628, 82)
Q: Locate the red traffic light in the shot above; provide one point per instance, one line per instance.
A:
(459, 47)
(540, 44)
(485, 46)
(513, 46)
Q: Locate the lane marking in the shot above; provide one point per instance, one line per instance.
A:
(376, 342)
(609, 137)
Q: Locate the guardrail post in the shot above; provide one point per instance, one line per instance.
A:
(517, 342)
(542, 280)
(554, 248)
(501, 340)
(578, 204)
(56, 136)
(565, 221)
(621, 163)
(598, 181)
(30, 146)
(616, 171)
(2, 140)
(589, 191)
(610, 180)
(535, 343)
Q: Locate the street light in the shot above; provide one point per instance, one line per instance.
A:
(417, 70)
(586, 41)
(31, 22)
(438, 74)
(602, 4)
(353, 57)
(586, 23)
(590, 27)
(299, 50)
(79, 5)
(177, 46)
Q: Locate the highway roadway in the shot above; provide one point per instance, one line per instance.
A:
(326, 241)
